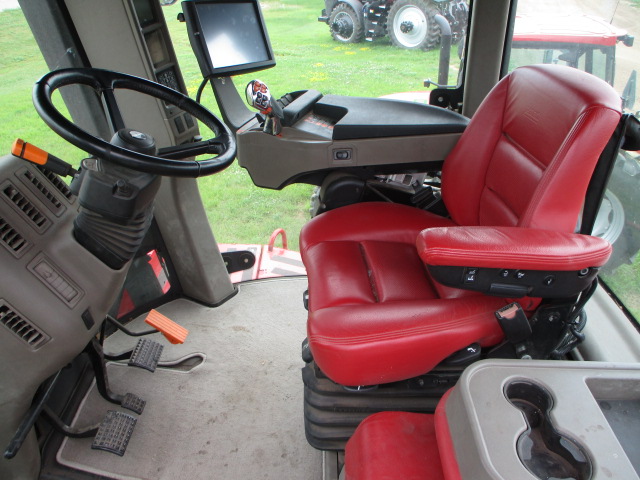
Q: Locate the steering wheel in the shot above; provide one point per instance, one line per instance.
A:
(104, 82)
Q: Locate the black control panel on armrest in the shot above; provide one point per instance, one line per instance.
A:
(358, 117)
(514, 283)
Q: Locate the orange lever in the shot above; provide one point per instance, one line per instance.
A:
(29, 152)
(33, 154)
(170, 329)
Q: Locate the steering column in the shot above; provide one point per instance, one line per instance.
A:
(116, 187)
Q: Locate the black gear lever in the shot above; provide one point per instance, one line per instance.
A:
(259, 97)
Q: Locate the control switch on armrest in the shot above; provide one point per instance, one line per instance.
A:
(512, 262)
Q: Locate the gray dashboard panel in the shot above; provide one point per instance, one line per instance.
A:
(274, 162)
(54, 294)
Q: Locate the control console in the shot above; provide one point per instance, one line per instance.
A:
(546, 419)
(322, 133)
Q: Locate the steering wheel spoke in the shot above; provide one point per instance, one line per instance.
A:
(205, 147)
(111, 106)
(167, 161)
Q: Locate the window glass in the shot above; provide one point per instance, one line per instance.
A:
(596, 37)
(389, 49)
(594, 58)
(324, 46)
(343, 53)
(21, 66)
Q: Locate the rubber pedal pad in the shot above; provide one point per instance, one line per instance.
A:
(170, 329)
(146, 354)
(114, 432)
(134, 403)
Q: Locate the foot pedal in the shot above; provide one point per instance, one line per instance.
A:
(114, 432)
(170, 329)
(146, 354)
(134, 403)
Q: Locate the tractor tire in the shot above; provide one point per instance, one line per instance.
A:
(610, 219)
(411, 25)
(609, 224)
(345, 24)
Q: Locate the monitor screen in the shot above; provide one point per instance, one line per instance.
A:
(228, 37)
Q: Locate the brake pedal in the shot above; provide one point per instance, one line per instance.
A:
(96, 355)
(133, 402)
(114, 432)
(146, 354)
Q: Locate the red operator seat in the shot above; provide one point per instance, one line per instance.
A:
(515, 181)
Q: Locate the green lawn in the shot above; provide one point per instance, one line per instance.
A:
(306, 56)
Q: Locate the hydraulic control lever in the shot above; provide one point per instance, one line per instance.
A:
(259, 97)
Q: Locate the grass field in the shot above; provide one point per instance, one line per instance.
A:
(306, 56)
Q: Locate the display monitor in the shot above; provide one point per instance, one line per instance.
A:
(228, 37)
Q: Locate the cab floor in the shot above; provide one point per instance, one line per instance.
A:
(238, 414)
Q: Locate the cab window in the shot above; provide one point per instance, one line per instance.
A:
(325, 46)
(598, 40)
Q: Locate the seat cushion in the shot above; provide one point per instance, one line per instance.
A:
(370, 344)
(394, 445)
(365, 253)
(403, 445)
(375, 314)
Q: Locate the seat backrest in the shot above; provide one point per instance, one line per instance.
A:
(528, 154)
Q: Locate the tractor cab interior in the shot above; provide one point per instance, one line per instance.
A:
(440, 331)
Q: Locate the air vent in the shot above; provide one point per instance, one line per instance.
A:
(43, 191)
(11, 239)
(15, 196)
(57, 182)
(21, 327)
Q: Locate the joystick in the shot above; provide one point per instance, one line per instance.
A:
(259, 97)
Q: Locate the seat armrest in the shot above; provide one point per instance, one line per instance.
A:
(512, 261)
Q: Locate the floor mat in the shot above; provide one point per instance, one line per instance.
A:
(236, 415)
